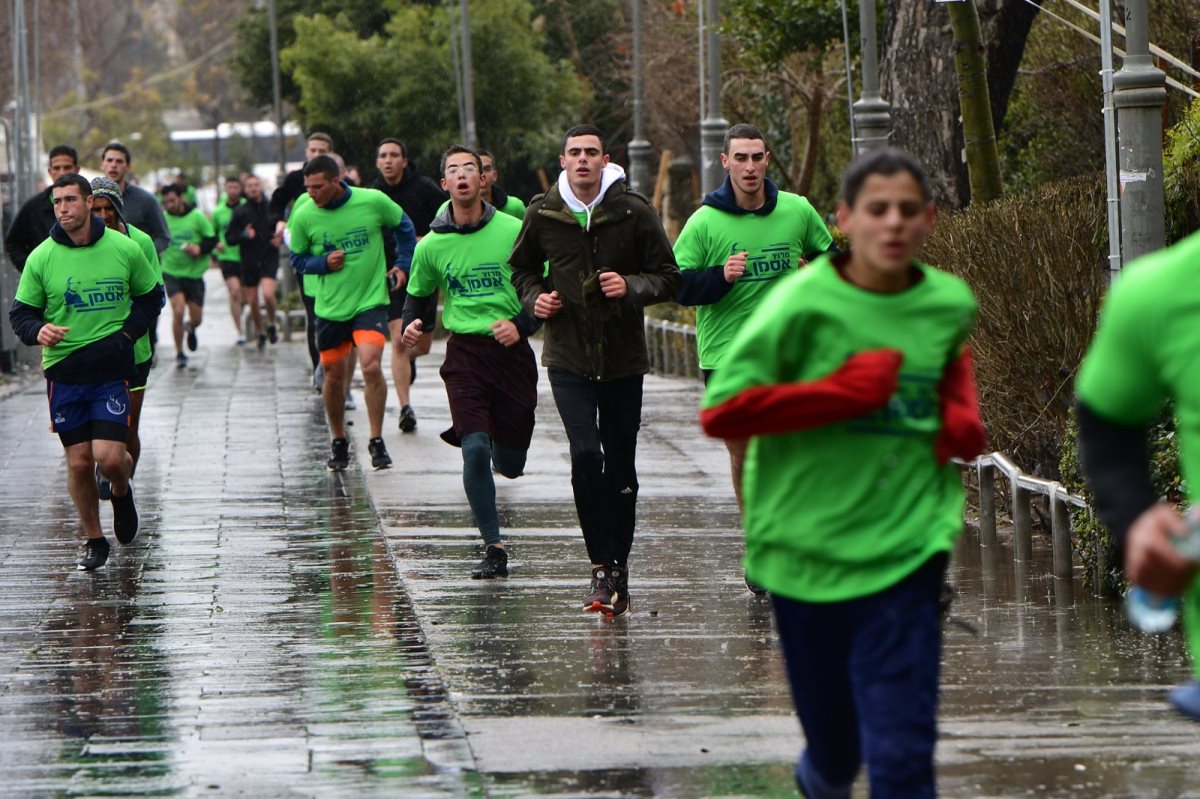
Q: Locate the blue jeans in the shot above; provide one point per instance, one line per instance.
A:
(864, 677)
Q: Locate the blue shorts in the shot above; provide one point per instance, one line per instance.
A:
(88, 411)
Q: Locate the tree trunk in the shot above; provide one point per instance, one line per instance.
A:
(983, 157)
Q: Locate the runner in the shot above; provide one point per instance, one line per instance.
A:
(490, 372)
(852, 506)
(33, 222)
(609, 257)
(745, 236)
(419, 197)
(228, 256)
(492, 193)
(252, 230)
(183, 267)
(339, 236)
(141, 207)
(85, 296)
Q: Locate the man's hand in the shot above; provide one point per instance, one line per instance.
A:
(1151, 559)
(397, 278)
(613, 285)
(335, 260)
(277, 239)
(50, 334)
(735, 266)
(249, 232)
(412, 333)
(192, 249)
(505, 332)
(547, 305)
(280, 226)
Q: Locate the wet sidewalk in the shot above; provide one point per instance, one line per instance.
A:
(277, 630)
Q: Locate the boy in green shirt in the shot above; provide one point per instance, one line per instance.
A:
(490, 372)
(852, 384)
(229, 256)
(746, 235)
(183, 266)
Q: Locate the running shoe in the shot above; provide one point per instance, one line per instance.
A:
(604, 591)
(95, 554)
(191, 336)
(408, 419)
(379, 454)
(272, 334)
(754, 587)
(262, 341)
(620, 605)
(341, 455)
(351, 405)
(318, 378)
(494, 564)
(125, 516)
(103, 487)
(1186, 699)
(181, 361)
(241, 342)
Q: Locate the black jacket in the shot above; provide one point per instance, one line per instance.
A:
(594, 336)
(30, 228)
(287, 192)
(419, 196)
(257, 250)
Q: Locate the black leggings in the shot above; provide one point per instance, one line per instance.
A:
(310, 327)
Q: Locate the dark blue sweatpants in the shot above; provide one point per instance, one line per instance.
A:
(864, 676)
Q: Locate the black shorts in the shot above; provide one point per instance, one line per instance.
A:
(250, 274)
(491, 388)
(395, 309)
(192, 287)
(141, 376)
(230, 269)
(332, 335)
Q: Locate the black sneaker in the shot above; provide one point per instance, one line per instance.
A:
(262, 341)
(272, 334)
(408, 419)
(95, 554)
(620, 605)
(754, 587)
(180, 361)
(604, 592)
(379, 454)
(494, 564)
(341, 455)
(125, 516)
(103, 486)
(191, 336)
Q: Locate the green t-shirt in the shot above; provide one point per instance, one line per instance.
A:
(354, 227)
(512, 206)
(141, 347)
(220, 219)
(86, 289)
(473, 273)
(189, 228)
(774, 243)
(848, 509)
(310, 283)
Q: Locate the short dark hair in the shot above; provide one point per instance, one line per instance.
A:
(121, 148)
(74, 179)
(319, 136)
(455, 149)
(885, 161)
(63, 149)
(323, 165)
(171, 188)
(584, 130)
(481, 152)
(232, 179)
(395, 141)
(742, 130)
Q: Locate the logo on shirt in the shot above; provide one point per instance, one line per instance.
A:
(483, 280)
(768, 263)
(908, 412)
(103, 295)
(355, 240)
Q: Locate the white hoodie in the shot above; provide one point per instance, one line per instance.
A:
(608, 176)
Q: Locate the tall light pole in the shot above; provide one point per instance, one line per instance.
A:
(1139, 94)
(276, 90)
(639, 148)
(712, 125)
(468, 81)
(872, 114)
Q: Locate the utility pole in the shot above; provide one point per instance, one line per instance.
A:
(1111, 157)
(639, 148)
(289, 275)
(712, 125)
(872, 117)
(1139, 94)
(468, 82)
(974, 103)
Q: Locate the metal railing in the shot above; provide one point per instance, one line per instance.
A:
(672, 348)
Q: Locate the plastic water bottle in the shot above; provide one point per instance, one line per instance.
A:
(1155, 613)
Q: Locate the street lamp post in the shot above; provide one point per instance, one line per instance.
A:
(639, 148)
(872, 114)
(289, 276)
(468, 82)
(713, 125)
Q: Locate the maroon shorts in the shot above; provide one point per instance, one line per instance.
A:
(491, 388)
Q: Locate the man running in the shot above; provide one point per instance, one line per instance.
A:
(339, 237)
(229, 258)
(183, 266)
(85, 296)
(852, 383)
(490, 372)
(33, 222)
(292, 186)
(107, 203)
(141, 207)
(745, 235)
(495, 196)
(252, 230)
(419, 197)
(609, 257)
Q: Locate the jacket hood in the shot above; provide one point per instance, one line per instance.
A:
(723, 199)
(608, 176)
(444, 222)
(59, 235)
